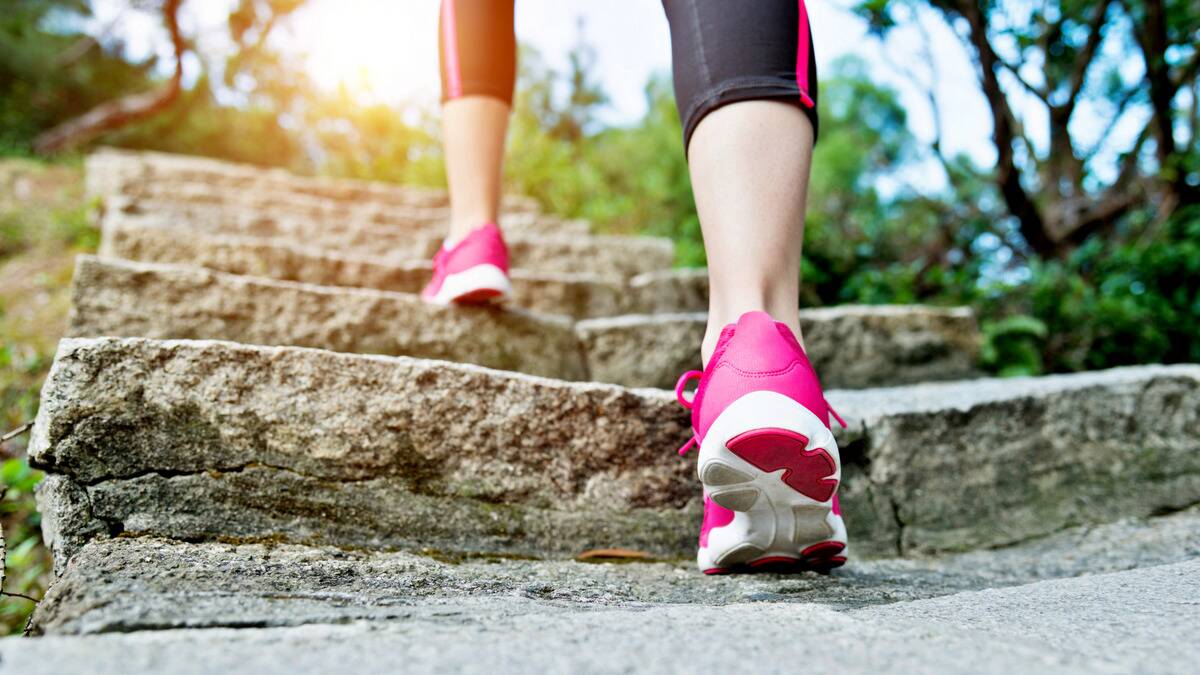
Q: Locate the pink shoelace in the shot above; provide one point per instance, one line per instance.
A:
(688, 403)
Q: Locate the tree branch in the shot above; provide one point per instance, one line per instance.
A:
(116, 114)
(8, 436)
(1152, 38)
(1008, 175)
(930, 95)
(1088, 53)
(1118, 198)
(1100, 216)
(1122, 104)
(1188, 72)
(1039, 92)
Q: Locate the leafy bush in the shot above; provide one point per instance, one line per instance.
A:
(27, 563)
(1013, 345)
(1110, 304)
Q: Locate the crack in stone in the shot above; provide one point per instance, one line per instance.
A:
(857, 452)
(216, 472)
(899, 525)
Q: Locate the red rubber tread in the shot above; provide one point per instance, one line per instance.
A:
(478, 297)
(821, 558)
(807, 471)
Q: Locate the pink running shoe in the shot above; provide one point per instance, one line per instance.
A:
(474, 271)
(768, 460)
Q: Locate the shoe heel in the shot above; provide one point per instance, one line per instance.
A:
(776, 465)
(476, 285)
(767, 442)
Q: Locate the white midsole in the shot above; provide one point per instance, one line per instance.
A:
(485, 277)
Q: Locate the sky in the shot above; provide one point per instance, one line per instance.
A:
(390, 46)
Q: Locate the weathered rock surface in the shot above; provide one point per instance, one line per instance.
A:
(122, 298)
(110, 171)
(129, 584)
(206, 206)
(1107, 623)
(669, 291)
(214, 506)
(642, 350)
(199, 440)
(852, 346)
(116, 297)
(575, 295)
(609, 256)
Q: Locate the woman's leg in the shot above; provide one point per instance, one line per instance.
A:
(473, 130)
(767, 458)
(745, 84)
(478, 67)
(749, 164)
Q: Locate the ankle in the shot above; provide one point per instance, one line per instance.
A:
(460, 228)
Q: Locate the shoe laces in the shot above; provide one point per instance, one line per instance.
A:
(688, 404)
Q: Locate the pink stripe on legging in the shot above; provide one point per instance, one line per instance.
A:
(802, 39)
(450, 41)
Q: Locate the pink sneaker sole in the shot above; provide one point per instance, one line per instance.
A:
(821, 558)
(481, 284)
(482, 296)
(776, 466)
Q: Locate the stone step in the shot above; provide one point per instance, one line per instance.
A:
(1142, 620)
(110, 171)
(576, 295)
(600, 255)
(147, 583)
(112, 297)
(853, 346)
(212, 207)
(219, 441)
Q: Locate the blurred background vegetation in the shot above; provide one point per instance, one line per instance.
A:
(1081, 254)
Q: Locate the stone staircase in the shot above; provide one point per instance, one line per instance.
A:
(257, 433)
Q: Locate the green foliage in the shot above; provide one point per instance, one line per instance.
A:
(54, 213)
(1135, 302)
(1013, 345)
(44, 223)
(625, 179)
(373, 141)
(50, 73)
(27, 564)
(196, 124)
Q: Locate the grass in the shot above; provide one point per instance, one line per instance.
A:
(43, 225)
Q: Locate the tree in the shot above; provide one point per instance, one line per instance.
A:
(250, 24)
(116, 114)
(49, 71)
(1056, 52)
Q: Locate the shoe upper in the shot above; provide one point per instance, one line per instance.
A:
(715, 516)
(755, 354)
(483, 246)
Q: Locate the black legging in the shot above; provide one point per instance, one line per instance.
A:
(722, 50)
